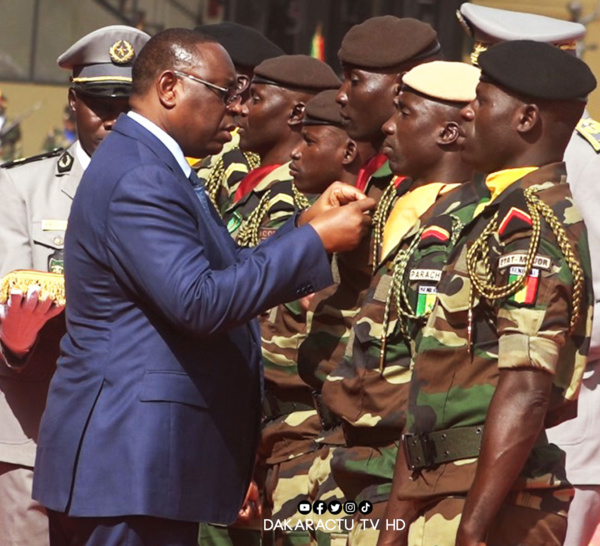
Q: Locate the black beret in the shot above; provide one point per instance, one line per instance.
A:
(296, 72)
(323, 110)
(388, 41)
(246, 46)
(537, 70)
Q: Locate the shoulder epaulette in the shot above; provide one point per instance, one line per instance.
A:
(31, 158)
(513, 215)
(589, 129)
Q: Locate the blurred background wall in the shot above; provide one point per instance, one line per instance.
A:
(33, 33)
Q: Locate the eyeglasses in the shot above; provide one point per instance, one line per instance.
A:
(228, 95)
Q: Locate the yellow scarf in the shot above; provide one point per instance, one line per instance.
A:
(407, 210)
(497, 182)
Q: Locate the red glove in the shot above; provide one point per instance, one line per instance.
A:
(22, 317)
(251, 510)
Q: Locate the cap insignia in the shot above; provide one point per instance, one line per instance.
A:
(121, 52)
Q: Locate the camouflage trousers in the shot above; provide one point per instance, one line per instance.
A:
(514, 525)
(283, 486)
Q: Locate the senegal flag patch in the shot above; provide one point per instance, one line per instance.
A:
(527, 294)
(426, 299)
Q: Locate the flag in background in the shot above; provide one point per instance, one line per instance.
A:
(317, 46)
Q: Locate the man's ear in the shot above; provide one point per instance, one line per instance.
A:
(449, 134)
(242, 83)
(397, 87)
(166, 89)
(297, 114)
(72, 97)
(528, 117)
(350, 152)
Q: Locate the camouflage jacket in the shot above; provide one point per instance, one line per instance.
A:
(283, 330)
(223, 172)
(527, 328)
(239, 211)
(332, 311)
(369, 389)
(291, 423)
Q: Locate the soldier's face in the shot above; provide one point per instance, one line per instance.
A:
(411, 136)
(318, 160)
(263, 119)
(367, 102)
(95, 117)
(489, 129)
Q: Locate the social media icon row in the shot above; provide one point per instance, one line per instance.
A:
(334, 507)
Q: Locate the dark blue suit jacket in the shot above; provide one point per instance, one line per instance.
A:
(155, 405)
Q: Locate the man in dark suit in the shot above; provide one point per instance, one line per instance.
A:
(153, 414)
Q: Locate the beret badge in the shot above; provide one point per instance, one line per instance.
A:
(121, 52)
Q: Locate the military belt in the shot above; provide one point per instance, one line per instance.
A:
(275, 407)
(328, 419)
(427, 450)
(370, 436)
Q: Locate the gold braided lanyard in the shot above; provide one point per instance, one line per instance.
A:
(217, 173)
(397, 295)
(249, 232)
(380, 216)
(398, 298)
(479, 254)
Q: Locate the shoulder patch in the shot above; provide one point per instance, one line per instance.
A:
(513, 214)
(65, 162)
(589, 129)
(437, 233)
(31, 158)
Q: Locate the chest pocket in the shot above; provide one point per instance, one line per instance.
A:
(48, 247)
(369, 324)
(454, 288)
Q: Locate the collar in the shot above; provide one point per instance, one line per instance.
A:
(407, 210)
(497, 182)
(81, 155)
(165, 138)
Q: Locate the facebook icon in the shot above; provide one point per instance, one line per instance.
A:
(319, 507)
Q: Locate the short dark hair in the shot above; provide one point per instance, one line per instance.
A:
(166, 50)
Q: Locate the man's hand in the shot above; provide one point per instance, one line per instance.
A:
(342, 228)
(251, 510)
(336, 195)
(23, 317)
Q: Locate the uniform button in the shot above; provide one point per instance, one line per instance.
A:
(58, 240)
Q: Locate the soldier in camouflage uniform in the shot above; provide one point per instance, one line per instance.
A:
(247, 48)
(503, 351)
(290, 470)
(369, 389)
(577, 437)
(374, 55)
(269, 123)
